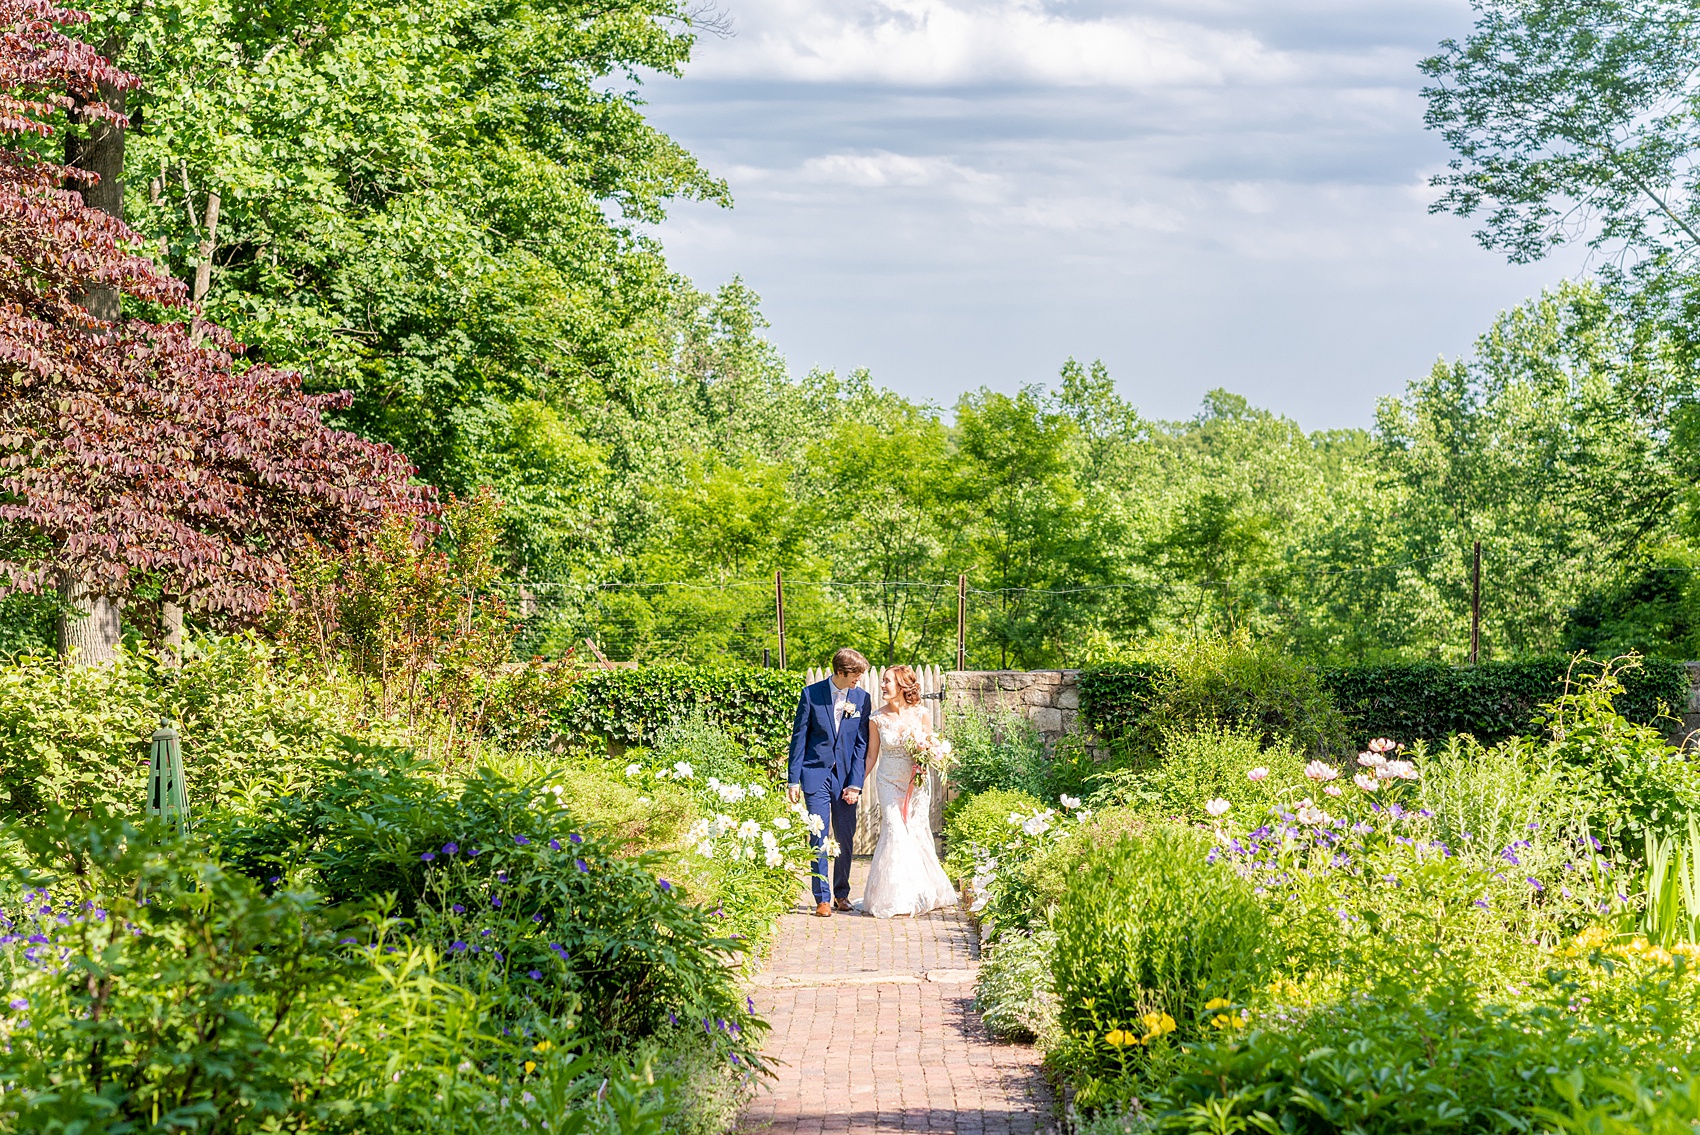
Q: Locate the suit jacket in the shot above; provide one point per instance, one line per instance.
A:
(822, 756)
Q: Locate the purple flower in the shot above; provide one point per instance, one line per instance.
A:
(458, 909)
(554, 845)
(472, 852)
(1510, 857)
(19, 1004)
(496, 901)
(485, 933)
(428, 856)
(521, 840)
(582, 865)
(665, 885)
(735, 1059)
(750, 1003)
(576, 838)
(274, 878)
(673, 1018)
(501, 876)
(1482, 902)
(345, 941)
(1535, 883)
(457, 947)
(450, 848)
(537, 918)
(535, 974)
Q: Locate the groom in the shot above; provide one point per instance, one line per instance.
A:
(829, 744)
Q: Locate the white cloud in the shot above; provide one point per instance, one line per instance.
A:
(944, 42)
(882, 168)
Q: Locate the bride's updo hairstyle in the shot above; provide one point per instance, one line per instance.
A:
(908, 686)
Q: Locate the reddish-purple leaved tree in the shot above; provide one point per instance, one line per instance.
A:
(135, 451)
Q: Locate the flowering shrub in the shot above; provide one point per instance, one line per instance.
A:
(526, 906)
(749, 850)
(145, 987)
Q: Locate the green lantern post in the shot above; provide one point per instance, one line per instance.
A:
(168, 797)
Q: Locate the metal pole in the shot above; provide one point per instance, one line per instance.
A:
(766, 658)
(1476, 605)
(779, 613)
(962, 622)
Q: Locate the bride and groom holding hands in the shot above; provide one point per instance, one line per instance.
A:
(841, 740)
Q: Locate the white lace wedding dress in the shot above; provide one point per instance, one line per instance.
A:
(905, 877)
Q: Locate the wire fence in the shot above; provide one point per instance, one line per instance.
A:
(941, 622)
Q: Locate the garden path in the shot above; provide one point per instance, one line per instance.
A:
(874, 1030)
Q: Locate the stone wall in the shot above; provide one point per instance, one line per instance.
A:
(1050, 699)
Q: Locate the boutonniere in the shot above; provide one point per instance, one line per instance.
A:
(850, 709)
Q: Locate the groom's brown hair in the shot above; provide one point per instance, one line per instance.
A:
(849, 661)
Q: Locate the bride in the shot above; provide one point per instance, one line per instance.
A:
(905, 877)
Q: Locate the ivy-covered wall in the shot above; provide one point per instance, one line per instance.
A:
(632, 706)
(1411, 701)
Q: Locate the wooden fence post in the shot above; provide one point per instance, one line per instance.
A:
(1476, 605)
(779, 613)
(962, 622)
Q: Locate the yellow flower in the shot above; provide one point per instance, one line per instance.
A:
(1224, 1021)
(1217, 1003)
(541, 1046)
(1157, 1024)
(530, 1066)
(1121, 1038)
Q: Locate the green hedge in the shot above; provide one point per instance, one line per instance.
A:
(1409, 701)
(632, 706)
(1430, 700)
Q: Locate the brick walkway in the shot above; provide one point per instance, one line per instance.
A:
(874, 1030)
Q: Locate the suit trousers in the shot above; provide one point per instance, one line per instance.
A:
(838, 819)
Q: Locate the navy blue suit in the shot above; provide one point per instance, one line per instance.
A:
(825, 760)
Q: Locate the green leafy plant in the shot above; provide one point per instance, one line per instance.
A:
(1150, 932)
(997, 751)
(977, 825)
(1201, 765)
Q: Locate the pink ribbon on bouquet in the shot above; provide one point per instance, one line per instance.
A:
(913, 781)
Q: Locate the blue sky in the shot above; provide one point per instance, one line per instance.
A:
(1211, 193)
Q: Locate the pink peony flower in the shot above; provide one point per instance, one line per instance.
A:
(1257, 775)
(1320, 771)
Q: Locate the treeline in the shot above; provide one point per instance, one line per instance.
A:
(436, 207)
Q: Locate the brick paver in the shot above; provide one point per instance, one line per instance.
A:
(874, 1030)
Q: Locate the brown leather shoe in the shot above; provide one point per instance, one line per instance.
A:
(824, 910)
(840, 904)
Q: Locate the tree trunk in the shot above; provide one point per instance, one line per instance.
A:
(90, 628)
(102, 152)
(170, 634)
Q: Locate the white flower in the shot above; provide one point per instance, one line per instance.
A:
(1331, 789)
(1083, 813)
(1257, 775)
(633, 769)
(643, 801)
(815, 824)
(1309, 813)
(756, 791)
(1038, 823)
(724, 823)
(783, 823)
(714, 783)
(1218, 807)
(706, 849)
(774, 858)
(1401, 770)
(1371, 760)
(831, 848)
(1070, 802)
(1016, 817)
(769, 840)
(682, 770)
(1320, 771)
(749, 829)
(979, 903)
(1366, 781)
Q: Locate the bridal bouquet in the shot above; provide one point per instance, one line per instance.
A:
(930, 753)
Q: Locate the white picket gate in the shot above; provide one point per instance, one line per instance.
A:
(932, 691)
